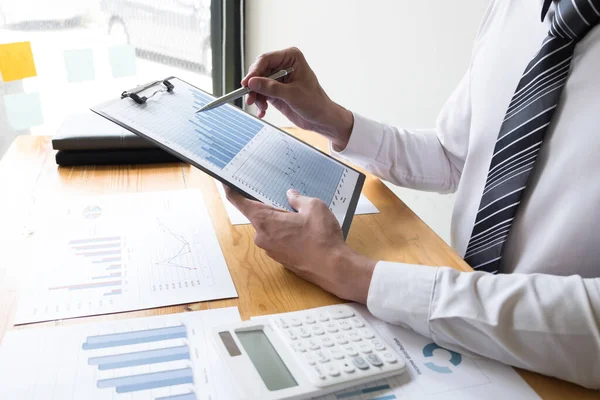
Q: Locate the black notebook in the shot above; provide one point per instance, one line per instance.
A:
(88, 139)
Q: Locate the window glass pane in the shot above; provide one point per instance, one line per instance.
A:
(89, 51)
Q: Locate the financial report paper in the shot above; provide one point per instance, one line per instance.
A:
(254, 156)
(88, 255)
(167, 357)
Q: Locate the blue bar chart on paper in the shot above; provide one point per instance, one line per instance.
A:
(155, 358)
(278, 164)
(116, 359)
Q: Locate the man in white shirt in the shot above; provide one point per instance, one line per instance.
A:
(543, 312)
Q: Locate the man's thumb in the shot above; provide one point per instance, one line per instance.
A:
(268, 87)
(296, 200)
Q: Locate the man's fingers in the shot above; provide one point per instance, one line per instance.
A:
(266, 63)
(270, 88)
(246, 206)
(299, 202)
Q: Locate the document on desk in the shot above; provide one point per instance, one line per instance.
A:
(434, 373)
(91, 255)
(363, 207)
(168, 357)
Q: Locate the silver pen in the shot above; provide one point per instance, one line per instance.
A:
(236, 94)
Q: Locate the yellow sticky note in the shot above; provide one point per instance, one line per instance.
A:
(16, 61)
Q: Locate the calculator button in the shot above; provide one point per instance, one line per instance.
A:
(283, 323)
(389, 357)
(327, 341)
(295, 321)
(310, 358)
(313, 345)
(345, 325)
(331, 327)
(377, 345)
(317, 330)
(291, 334)
(322, 357)
(299, 347)
(351, 351)
(357, 323)
(367, 333)
(354, 336)
(319, 372)
(303, 332)
(340, 312)
(309, 319)
(360, 363)
(322, 317)
(365, 348)
(332, 370)
(337, 354)
(340, 338)
(348, 368)
(374, 360)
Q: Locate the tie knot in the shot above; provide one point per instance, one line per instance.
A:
(573, 19)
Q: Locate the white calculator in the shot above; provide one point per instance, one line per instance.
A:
(305, 354)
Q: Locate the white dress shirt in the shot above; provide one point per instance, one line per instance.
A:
(544, 315)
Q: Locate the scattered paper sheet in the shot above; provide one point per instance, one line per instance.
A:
(23, 110)
(434, 373)
(364, 206)
(93, 255)
(16, 61)
(167, 357)
(122, 61)
(79, 65)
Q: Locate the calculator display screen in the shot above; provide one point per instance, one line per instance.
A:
(267, 362)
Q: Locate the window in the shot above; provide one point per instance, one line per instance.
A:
(89, 51)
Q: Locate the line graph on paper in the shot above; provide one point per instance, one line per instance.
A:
(178, 260)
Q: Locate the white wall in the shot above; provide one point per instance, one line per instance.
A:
(395, 61)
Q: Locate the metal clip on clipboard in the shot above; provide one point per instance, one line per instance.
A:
(134, 94)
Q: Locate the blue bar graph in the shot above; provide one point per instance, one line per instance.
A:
(135, 337)
(114, 292)
(387, 397)
(111, 275)
(368, 390)
(186, 396)
(134, 383)
(220, 140)
(114, 266)
(141, 358)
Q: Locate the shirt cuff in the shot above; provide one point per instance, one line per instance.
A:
(365, 140)
(401, 294)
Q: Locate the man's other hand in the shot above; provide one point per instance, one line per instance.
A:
(309, 243)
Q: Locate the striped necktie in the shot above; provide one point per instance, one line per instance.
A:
(522, 132)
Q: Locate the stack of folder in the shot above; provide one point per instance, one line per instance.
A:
(88, 139)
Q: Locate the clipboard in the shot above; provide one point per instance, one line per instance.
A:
(248, 154)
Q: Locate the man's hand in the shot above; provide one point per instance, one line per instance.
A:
(299, 96)
(309, 243)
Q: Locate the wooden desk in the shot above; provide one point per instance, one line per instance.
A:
(264, 287)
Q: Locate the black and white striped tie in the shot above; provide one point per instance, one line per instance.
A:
(522, 132)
